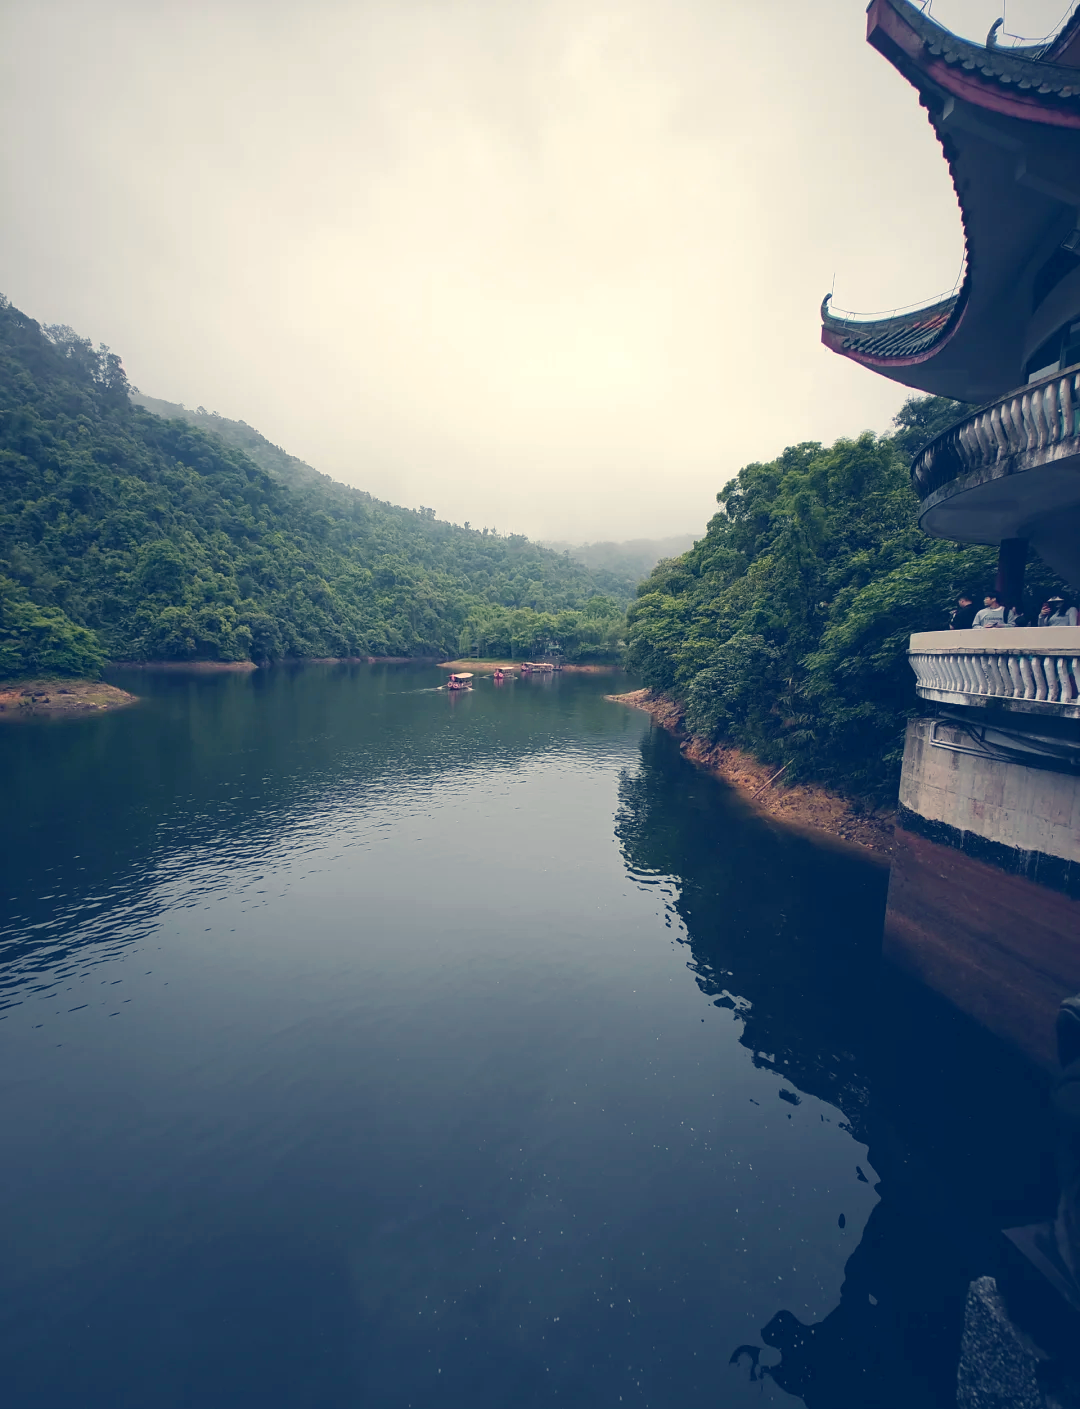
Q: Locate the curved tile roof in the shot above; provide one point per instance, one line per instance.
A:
(1025, 69)
(899, 337)
(1019, 81)
(1008, 84)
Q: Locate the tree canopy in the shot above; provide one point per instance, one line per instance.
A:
(785, 628)
(128, 536)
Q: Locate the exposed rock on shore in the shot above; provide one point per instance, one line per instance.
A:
(52, 697)
(803, 804)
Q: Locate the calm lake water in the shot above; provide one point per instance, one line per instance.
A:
(364, 1045)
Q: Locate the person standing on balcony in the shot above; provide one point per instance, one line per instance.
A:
(1016, 616)
(963, 614)
(992, 614)
(1056, 612)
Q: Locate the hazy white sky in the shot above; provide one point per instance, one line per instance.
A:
(548, 265)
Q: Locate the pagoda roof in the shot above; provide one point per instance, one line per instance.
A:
(901, 337)
(1008, 121)
(1024, 82)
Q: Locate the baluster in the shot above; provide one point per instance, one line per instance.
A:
(1038, 410)
(1005, 410)
(1001, 664)
(981, 426)
(1005, 421)
(986, 669)
(1075, 671)
(1029, 679)
(1066, 399)
(1031, 434)
(968, 446)
(1066, 693)
(956, 680)
(1040, 678)
(1016, 414)
(998, 433)
(1035, 435)
(1011, 664)
(972, 675)
(1052, 685)
(1050, 414)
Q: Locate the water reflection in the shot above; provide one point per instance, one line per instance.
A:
(782, 930)
(922, 1086)
(425, 1088)
(121, 818)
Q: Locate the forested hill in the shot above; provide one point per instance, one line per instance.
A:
(124, 535)
(269, 457)
(785, 628)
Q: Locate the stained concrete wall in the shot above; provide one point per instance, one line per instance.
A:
(1028, 809)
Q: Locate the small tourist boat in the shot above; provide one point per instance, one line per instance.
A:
(499, 676)
(462, 681)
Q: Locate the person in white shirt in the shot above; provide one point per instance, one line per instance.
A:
(1056, 613)
(993, 614)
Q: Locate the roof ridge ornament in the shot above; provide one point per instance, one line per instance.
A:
(991, 38)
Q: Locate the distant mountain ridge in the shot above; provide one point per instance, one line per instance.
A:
(124, 535)
(633, 558)
(628, 562)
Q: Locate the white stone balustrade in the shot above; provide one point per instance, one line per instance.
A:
(1031, 669)
(1035, 418)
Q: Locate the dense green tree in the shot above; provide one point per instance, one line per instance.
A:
(36, 640)
(785, 628)
(191, 537)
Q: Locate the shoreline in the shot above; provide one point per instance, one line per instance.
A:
(584, 668)
(247, 665)
(803, 805)
(30, 699)
(202, 665)
(587, 668)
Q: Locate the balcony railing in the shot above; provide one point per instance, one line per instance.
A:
(1036, 418)
(1031, 669)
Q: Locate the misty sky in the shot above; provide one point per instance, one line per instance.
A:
(552, 266)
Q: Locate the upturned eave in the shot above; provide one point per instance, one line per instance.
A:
(994, 79)
(1009, 129)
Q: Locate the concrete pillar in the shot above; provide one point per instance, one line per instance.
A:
(1009, 583)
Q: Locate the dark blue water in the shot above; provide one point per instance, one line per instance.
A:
(363, 1045)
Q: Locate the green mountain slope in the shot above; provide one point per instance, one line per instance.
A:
(298, 475)
(128, 536)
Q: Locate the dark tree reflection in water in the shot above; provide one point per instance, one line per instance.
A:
(957, 1127)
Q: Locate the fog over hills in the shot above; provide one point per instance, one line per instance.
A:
(633, 558)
